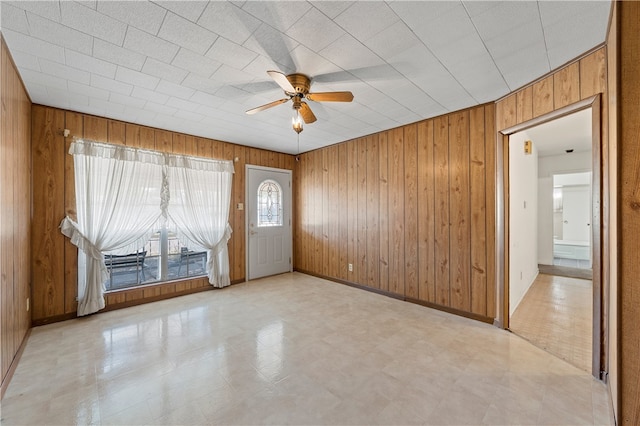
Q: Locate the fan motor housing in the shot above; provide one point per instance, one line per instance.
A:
(300, 82)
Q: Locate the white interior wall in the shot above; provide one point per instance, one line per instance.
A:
(523, 219)
(567, 163)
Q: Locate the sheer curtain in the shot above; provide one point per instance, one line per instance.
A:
(118, 199)
(199, 197)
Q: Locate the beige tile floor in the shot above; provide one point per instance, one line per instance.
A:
(292, 349)
(556, 315)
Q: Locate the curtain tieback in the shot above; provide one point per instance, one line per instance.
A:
(70, 228)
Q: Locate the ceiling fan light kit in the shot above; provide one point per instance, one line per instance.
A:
(296, 87)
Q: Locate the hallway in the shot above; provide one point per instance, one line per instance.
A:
(556, 315)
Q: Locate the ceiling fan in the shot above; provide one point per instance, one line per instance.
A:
(296, 88)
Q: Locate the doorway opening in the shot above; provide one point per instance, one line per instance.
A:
(551, 272)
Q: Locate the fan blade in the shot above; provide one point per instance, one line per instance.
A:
(306, 113)
(267, 106)
(330, 97)
(282, 81)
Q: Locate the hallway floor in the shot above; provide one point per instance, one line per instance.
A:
(293, 349)
(556, 315)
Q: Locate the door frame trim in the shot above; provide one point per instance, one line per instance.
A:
(246, 214)
(600, 282)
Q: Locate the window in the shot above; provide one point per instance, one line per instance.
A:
(269, 204)
(152, 264)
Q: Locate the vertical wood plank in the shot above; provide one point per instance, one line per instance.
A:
(542, 99)
(74, 122)
(163, 141)
(507, 116)
(342, 211)
(179, 143)
(116, 132)
(373, 187)
(239, 179)
(441, 163)
(460, 231)
(95, 128)
(361, 264)
(566, 86)
(478, 211)
(593, 74)
(204, 147)
(383, 211)
(352, 207)
(48, 196)
(396, 212)
(333, 212)
(411, 210)
(490, 203)
(426, 197)
(524, 105)
(325, 211)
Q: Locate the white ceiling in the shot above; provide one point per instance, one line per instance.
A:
(196, 67)
(556, 137)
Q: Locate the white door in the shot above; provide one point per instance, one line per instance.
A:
(268, 221)
(576, 213)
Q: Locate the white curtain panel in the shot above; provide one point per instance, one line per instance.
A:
(117, 202)
(199, 197)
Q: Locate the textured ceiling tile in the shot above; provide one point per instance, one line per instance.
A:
(525, 36)
(378, 17)
(46, 9)
(92, 92)
(272, 44)
(65, 72)
(259, 66)
(230, 53)
(38, 48)
(149, 95)
(229, 21)
(506, 16)
(182, 104)
(481, 77)
(26, 61)
(69, 38)
(312, 64)
(190, 10)
(127, 100)
(174, 90)
(197, 64)
(359, 55)
(160, 108)
(13, 18)
(90, 64)
(136, 78)
(164, 71)
(331, 8)
(186, 34)
(206, 99)
(230, 75)
(140, 14)
(279, 15)
(149, 45)
(203, 84)
(393, 40)
(47, 80)
(93, 23)
(118, 55)
(476, 7)
(38, 93)
(110, 85)
(315, 30)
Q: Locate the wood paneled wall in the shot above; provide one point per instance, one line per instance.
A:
(412, 209)
(15, 171)
(628, 225)
(54, 260)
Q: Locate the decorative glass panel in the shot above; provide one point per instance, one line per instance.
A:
(269, 204)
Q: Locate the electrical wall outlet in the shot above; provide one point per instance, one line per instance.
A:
(351, 267)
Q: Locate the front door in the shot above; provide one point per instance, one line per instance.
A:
(268, 221)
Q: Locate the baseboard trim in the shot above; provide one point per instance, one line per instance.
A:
(14, 364)
(435, 306)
